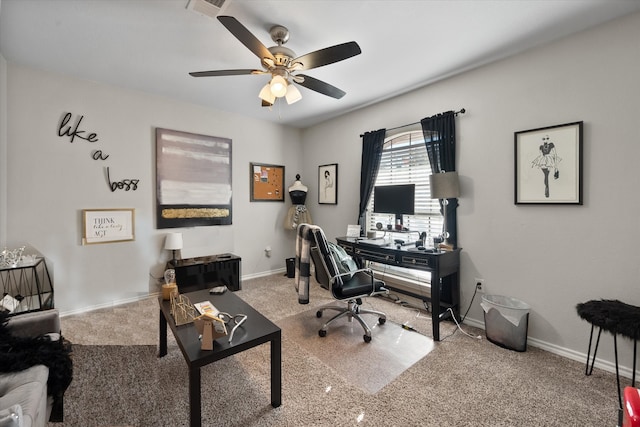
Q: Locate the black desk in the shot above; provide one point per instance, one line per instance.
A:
(444, 267)
(256, 330)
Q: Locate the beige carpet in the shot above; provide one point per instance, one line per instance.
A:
(463, 382)
(369, 366)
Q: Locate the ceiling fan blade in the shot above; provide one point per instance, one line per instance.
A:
(328, 55)
(224, 73)
(246, 37)
(320, 86)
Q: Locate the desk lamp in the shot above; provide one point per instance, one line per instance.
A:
(444, 186)
(173, 242)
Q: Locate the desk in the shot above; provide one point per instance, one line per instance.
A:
(444, 267)
(256, 330)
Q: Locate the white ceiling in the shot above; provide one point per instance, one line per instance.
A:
(151, 45)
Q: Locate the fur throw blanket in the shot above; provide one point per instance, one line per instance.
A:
(613, 316)
(17, 354)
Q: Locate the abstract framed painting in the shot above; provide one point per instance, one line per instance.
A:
(193, 179)
(548, 165)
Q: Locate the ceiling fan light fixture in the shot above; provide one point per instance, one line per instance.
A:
(278, 86)
(266, 95)
(293, 94)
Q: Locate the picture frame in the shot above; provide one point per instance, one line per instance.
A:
(107, 225)
(549, 165)
(328, 184)
(267, 182)
(193, 179)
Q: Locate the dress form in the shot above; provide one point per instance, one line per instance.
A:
(298, 213)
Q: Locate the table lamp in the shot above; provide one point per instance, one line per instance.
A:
(173, 242)
(444, 185)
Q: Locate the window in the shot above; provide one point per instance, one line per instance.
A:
(405, 161)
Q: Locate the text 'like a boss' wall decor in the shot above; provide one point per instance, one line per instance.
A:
(100, 226)
(73, 131)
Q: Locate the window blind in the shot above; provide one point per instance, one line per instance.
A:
(405, 161)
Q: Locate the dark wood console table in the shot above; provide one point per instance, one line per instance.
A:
(201, 272)
(444, 267)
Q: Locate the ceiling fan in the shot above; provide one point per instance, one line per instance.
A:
(283, 64)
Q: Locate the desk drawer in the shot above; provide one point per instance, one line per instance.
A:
(414, 261)
(375, 256)
(347, 248)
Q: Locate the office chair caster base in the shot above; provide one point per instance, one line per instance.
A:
(319, 314)
(322, 333)
(367, 338)
(381, 320)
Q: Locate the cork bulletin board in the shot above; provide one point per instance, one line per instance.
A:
(267, 183)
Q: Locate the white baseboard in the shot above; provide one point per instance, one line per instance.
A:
(143, 296)
(605, 365)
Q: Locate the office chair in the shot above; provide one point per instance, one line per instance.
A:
(339, 273)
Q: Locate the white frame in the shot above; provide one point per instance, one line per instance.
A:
(117, 225)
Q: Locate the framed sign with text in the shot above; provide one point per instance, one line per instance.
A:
(107, 225)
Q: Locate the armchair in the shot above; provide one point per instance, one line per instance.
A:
(336, 271)
(36, 368)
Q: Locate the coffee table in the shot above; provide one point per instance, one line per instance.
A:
(256, 330)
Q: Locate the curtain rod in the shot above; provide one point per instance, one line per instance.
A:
(462, 111)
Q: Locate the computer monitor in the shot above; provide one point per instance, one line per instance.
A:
(394, 199)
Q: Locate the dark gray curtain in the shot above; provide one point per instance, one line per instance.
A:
(440, 138)
(372, 143)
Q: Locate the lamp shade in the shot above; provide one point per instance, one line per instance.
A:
(173, 241)
(278, 86)
(266, 95)
(293, 94)
(444, 185)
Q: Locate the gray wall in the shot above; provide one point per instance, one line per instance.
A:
(50, 181)
(551, 257)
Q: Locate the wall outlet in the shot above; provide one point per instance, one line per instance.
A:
(479, 284)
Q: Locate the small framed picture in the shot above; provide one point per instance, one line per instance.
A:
(328, 184)
(548, 165)
(267, 182)
(107, 226)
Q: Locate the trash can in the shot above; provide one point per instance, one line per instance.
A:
(506, 321)
(291, 267)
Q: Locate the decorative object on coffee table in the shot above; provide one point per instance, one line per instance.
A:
(169, 284)
(182, 310)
